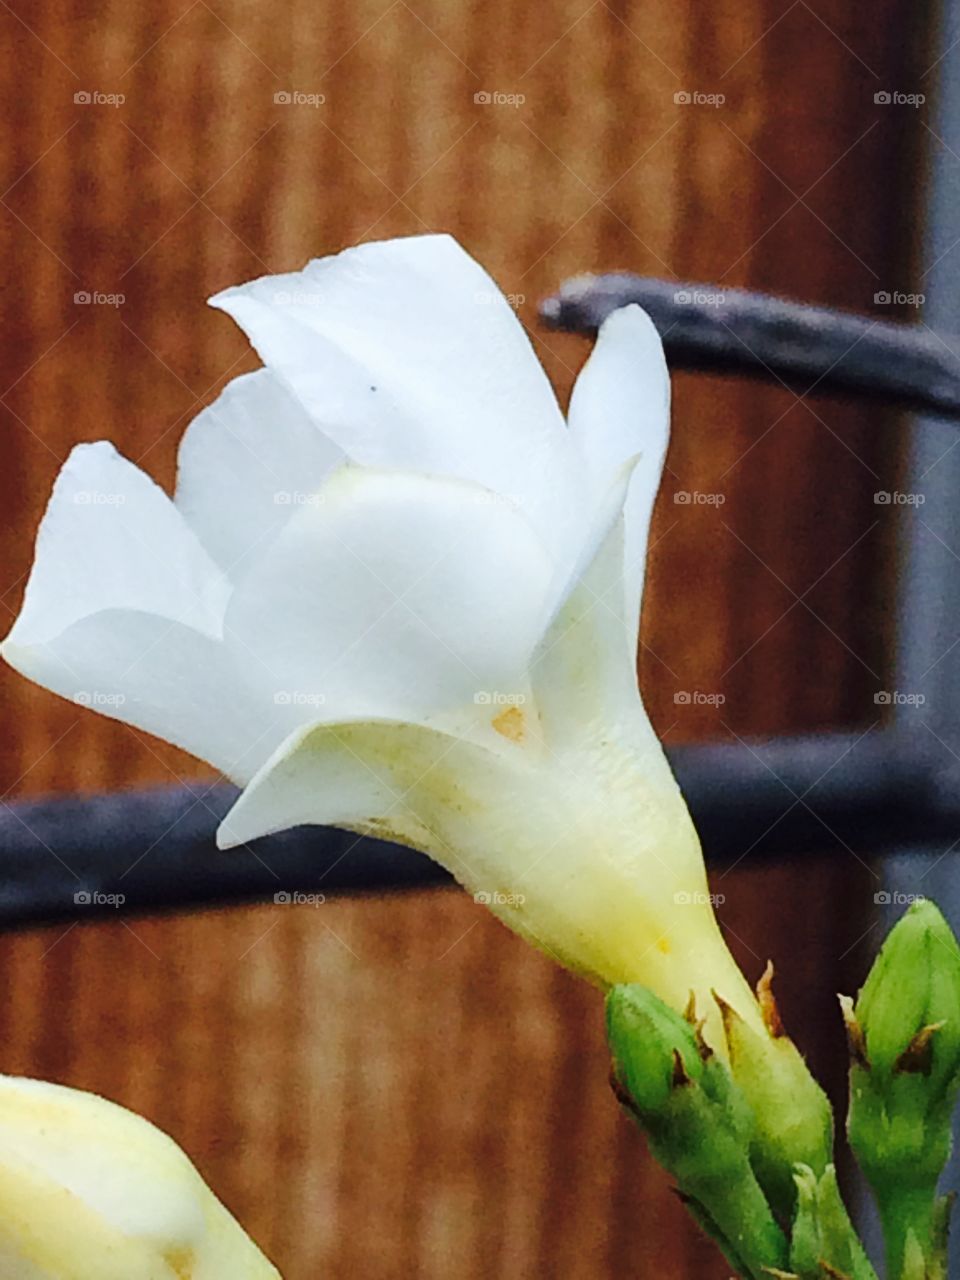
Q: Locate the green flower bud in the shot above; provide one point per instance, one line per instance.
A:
(909, 1008)
(793, 1117)
(697, 1122)
(904, 1034)
(653, 1047)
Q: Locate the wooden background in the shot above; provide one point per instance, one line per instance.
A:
(398, 1087)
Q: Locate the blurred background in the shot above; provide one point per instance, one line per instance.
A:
(397, 1086)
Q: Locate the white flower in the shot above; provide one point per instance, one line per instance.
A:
(90, 1189)
(395, 592)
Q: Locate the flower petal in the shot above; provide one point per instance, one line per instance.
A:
(584, 673)
(379, 775)
(245, 464)
(88, 1188)
(620, 407)
(408, 355)
(395, 595)
(165, 678)
(111, 539)
(123, 613)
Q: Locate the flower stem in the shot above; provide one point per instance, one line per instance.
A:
(913, 1234)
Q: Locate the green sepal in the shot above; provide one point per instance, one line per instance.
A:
(794, 1119)
(697, 1121)
(824, 1242)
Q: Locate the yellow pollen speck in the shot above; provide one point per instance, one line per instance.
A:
(180, 1262)
(510, 724)
(663, 944)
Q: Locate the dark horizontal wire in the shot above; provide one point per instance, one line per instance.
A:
(734, 331)
(79, 858)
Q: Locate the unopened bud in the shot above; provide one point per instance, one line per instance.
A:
(909, 1008)
(697, 1122)
(793, 1117)
(904, 1035)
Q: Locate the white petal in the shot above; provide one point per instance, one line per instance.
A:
(379, 775)
(112, 539)
(167, 679)
(620, 407)
(584, 673)
(123, 613)
(245, 464)
(395, 595)
(407, 354)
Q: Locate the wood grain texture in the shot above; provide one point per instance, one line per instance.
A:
(399, 1087)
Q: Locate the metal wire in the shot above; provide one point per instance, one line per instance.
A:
(810, 349)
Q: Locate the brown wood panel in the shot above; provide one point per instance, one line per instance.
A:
(399, 1087)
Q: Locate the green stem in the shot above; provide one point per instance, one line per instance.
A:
(907, 1212)
(735, 1213)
